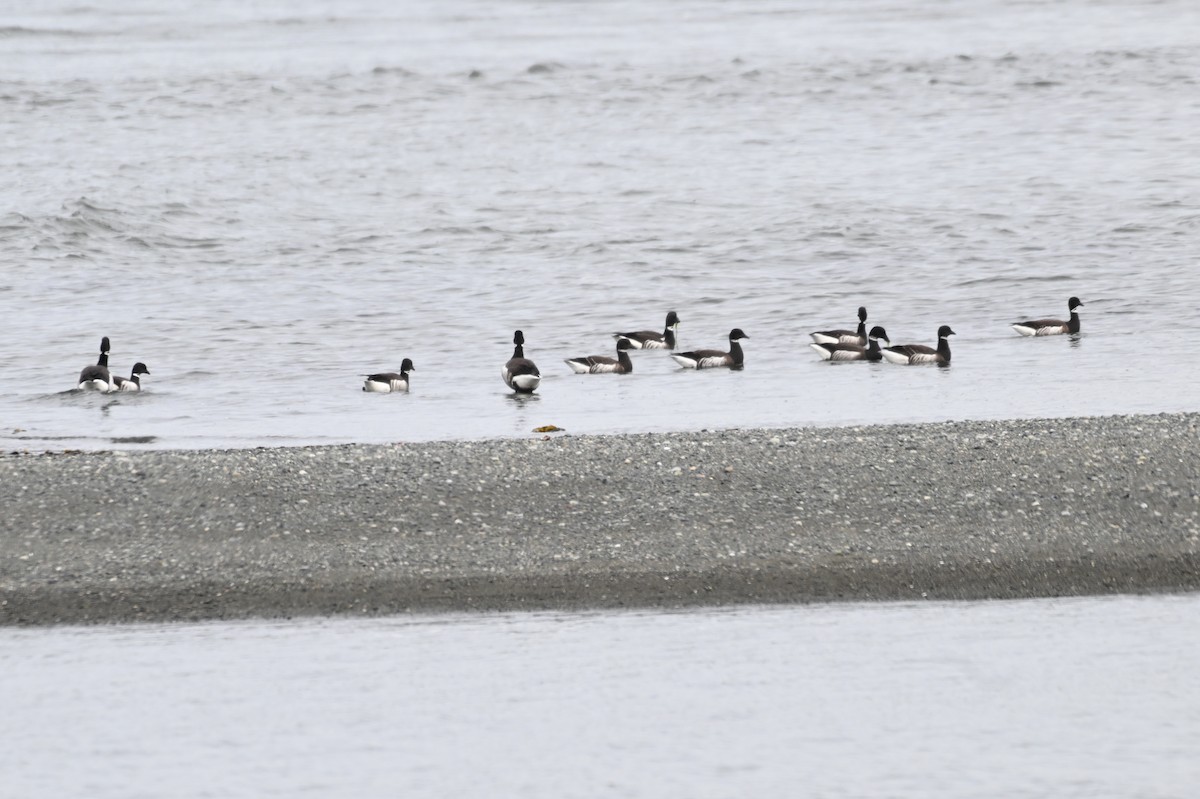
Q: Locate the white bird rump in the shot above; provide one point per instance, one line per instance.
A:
(526, 381)
(838, 337)
(652, 342)
(1044, 327)
(386, 383)
(702, 359)
(595, 365)
(839, 352)
(911, 354)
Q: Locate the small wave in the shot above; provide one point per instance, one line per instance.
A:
(178, 209)
(544, 68)
(84, 225)
(399, 72)
(43, 101)
(14, 221)
(84, 217)
(1014, 280)
(24, 436)
(440, 231)
(84, 204)
(18, 31)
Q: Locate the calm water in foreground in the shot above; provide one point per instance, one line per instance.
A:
(263, 201)
(1046, 698)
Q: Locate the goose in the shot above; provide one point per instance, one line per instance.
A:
(1052, 327)
(387, 382)
(649, 340)
(134, 382)
(855, 352)
(707, 359)
(97, 378)
(602, 364)
(919, 353)
(858, 336)
(520, 374)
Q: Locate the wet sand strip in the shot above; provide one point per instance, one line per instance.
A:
(963, 510)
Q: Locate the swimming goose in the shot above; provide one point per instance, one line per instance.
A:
(520, 374)
(858, 336)
(855, 352)
(134, 383)
(602, 364)
(649, 340)
(387, 382)
(1052, 327)
(707, 359)
(919, 353)
(97, 378)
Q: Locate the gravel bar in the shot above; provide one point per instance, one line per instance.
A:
(960, 510)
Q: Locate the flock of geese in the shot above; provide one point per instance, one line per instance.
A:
(522, 375)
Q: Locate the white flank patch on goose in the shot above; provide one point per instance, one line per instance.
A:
(526, 382)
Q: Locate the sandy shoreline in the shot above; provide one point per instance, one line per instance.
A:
(956, 510)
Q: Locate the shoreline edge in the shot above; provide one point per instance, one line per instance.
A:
(953, 510)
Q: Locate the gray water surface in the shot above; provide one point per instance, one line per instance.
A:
(1044, 698)
(264, 202)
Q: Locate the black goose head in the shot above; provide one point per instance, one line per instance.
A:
(1074, 303)
(879, 334)
(104, 348)
(624, 344)
(672, 319)
(406, 366)
(862, 313)
(737, 334)
(945, 331)
(519, 341)
(139, 369)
